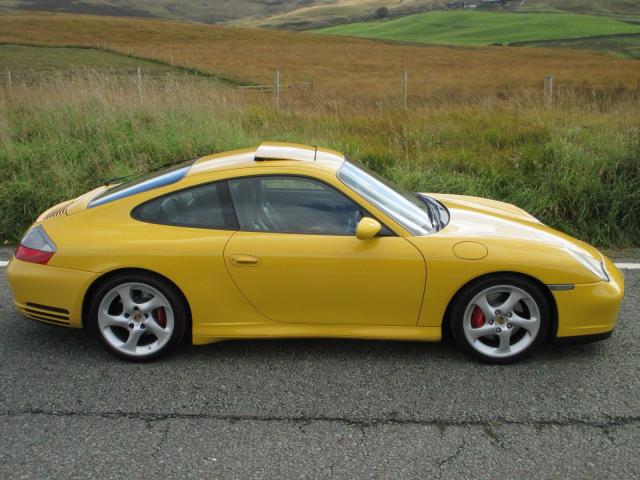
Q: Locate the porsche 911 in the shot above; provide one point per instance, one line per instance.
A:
(294, 241)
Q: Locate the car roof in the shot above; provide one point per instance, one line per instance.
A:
(282, 154)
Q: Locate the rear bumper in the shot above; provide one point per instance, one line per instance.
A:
(590, 309)
(49, 294)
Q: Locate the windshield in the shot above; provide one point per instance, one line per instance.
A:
(404, 207)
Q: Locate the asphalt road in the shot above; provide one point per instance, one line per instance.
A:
(316, 409)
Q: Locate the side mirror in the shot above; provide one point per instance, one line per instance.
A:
(367, 228)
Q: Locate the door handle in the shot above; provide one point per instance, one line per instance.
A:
(244, 260)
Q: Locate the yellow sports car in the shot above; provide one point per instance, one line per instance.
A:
(289, 241)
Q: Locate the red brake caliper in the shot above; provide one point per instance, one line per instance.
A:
(477, 318)
(161, 316)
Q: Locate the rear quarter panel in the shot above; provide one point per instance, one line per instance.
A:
(106, 238)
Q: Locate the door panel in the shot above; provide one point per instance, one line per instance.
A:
(327, 279)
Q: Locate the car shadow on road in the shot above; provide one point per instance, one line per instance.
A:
(53, 341)
(366, 349)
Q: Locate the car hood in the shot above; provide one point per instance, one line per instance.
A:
(478, 218)
(483, 205)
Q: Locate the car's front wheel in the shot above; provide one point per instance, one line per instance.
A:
(500, 319)
(137, 316)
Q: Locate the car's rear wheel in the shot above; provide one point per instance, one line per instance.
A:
(137, 316)
(500, 319)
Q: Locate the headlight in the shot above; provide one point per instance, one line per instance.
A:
(594, 265)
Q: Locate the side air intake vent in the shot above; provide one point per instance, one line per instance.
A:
(56, 212)
(44, 313)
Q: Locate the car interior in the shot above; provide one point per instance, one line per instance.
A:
(200, 206)
(265, 204)
(294, 205)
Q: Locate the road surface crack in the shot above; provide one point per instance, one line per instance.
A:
(163, 439)
(458, 451)
(359, 422)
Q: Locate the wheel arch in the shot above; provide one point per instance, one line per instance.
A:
(553, 327)
(86, 301)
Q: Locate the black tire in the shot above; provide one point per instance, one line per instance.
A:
(466, 296)
(176, 302)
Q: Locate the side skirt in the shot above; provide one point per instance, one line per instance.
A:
(217, 333)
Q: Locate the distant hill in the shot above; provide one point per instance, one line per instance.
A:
(302, 14)
(207, 11)
(339, 12)
(284, 12)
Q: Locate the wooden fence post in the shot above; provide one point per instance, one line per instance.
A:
(638, 90)
(276, 87)
(9, 79)
(404, 89)
(548, 90)
(139, 83)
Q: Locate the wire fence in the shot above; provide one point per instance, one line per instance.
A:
(408, 93)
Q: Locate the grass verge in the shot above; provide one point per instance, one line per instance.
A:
(576, 168)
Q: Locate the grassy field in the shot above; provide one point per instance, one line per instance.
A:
(32, 64)
(344, 70)
(478, 126)
(485, 28)
(576, 168)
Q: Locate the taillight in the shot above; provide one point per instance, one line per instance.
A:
(36, 247)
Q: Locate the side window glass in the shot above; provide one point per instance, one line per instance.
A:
(204, 206)
(288, 204)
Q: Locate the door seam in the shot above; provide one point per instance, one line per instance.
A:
(424, 287)
(224, 260)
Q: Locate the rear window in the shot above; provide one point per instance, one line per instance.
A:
(143, 182)
(203, 206)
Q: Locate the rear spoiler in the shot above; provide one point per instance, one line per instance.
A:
(285, 151)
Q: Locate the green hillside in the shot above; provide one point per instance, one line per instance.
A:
(464, 27)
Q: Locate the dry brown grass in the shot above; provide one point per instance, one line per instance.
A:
(341, 68)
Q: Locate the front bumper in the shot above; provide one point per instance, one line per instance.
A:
(49, 294)
(590, 309)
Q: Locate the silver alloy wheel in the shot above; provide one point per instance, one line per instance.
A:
(511, 321)
(135, 319)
